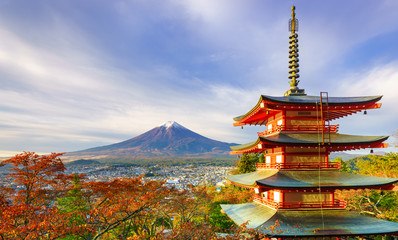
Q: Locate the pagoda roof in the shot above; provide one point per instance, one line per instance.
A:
(338, 142)
(338, 106)
(307, 179)
(250, 179)
(299, 224)
(316, 99)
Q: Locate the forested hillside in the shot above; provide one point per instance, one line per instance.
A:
(378, 203)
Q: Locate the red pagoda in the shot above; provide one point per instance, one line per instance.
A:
(296, 185)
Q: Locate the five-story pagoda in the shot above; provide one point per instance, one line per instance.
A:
(296, 185)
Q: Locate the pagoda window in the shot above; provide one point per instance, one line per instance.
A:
(279, 159)
(269, 127)
(268, 159)
(265, 195)
(277, 196)
(280, 122)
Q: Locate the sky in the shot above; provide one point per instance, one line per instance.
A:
(76, 74)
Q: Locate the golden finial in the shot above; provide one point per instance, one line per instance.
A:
(293, 57)
(293, 20)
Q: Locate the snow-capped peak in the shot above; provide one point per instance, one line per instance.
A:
(172, 124)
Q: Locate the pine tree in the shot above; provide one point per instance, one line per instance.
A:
(247, 162)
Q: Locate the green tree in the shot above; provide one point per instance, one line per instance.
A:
(379, 203)
(218, 219)
(247, 162)
(75, 207)
(261, 158)
(380, 166)
(343, 165)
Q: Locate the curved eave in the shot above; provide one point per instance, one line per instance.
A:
(254, 110)
(313, 139)
(248, 180)
(338, 142)
(258, 114)
(324, 179)
(316, 99)
(300, 224)
(246, 148)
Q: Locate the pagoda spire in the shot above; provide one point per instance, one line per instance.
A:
(293, 57)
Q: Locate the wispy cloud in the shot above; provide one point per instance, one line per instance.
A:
(76, 75)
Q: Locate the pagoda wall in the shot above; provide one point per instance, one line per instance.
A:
(275, 120)
(296, 155)
(306, 159)
(305, 155)
(274, 155)
(308, 197)
(302, 114)
(281, 196)
(303, 122)
(305, 150)
(292, 118)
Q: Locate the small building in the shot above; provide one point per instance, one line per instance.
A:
(295, 186)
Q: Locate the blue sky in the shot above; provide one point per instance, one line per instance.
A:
(78, 74)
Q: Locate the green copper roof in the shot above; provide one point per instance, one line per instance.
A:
(249, 179)
(255, 213)
(335, 138)
(309, 179)
(326, 179)
(311, 139)
(245, 146)
(307, 223)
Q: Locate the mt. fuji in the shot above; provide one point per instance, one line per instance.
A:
(169, 139)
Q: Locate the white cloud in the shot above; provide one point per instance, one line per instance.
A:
(65, 89)
(379, 80)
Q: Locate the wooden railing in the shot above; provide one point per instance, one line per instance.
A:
(259, 199)
(300, 128)
(304, 165)
(300, 205)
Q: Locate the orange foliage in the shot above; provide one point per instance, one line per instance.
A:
(233, 195)
(119, 201)
(26, 212)
(48, 204)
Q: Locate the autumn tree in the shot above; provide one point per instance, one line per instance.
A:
(187, 205)
(115, 204)
(47, 204)
(27, 211)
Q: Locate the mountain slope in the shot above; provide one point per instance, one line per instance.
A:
(167, 140)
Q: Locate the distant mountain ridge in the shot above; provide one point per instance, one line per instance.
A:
(169, 139)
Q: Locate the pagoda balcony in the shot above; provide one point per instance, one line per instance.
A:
(305, 165)
(300, 205)
(300, 128)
